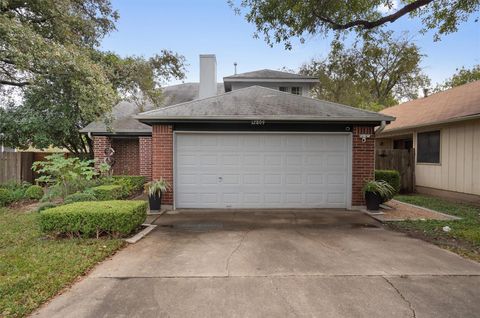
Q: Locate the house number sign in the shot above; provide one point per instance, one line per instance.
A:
(258, 122)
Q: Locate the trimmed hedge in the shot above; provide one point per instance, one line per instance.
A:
(107, 192)
(45, 206)
(79, 197)
(34, 192)
(130, 184)
(392, 177)
(6, 196)
(92, 219)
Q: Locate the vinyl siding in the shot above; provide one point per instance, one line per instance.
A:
(459, 168)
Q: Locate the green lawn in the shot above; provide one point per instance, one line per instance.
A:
(464, 237)
(33, 268)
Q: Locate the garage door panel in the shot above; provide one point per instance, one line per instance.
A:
(246, 171)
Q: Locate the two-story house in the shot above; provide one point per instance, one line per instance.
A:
(258, 140)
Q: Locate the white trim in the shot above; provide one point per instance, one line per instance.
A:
(349, 153)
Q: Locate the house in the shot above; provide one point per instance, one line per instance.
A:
(258, 141)
(444, 131)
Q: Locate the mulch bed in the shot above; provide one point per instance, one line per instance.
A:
(398, 211)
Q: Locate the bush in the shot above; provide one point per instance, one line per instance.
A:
(45, 206)
(17, 190)
(6, 196)
(107, 192)
(79, 197)
(92, 219)
(34, 192)
(392, 177)
(130, 184)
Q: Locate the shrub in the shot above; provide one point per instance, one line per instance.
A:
(79, 197)
(392, 177)
(17, 190)
(45, 206)
(91, 219)
(34, 192)
(6, 196)
(381, 188)
(130, 184)
(107, 192)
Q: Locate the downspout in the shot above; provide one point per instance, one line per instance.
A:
(89, 134)
(382, 127)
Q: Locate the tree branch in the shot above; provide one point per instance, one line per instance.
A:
(17, 84)
(365, 24)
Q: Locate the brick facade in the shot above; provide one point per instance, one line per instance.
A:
(100, 143)
(153, 157)
(145, 160)
(126, 156)
(363, 162)
(162, 154)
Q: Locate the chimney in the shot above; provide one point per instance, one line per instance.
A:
(208, 76)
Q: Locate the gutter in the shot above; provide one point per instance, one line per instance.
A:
(395, 131)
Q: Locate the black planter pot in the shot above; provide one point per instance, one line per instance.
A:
(373, 201)
(155, 201)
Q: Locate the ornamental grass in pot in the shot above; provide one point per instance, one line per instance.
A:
(154, 189)
(377, 192)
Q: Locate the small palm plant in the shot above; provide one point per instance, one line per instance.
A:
(377, 192)
(154, 189)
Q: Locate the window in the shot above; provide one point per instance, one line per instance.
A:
(283, 89)
(297, 90)
(428, 147)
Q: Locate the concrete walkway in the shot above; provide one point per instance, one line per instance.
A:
(322, 263)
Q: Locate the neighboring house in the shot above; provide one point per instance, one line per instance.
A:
(259, 146)
(444, 130)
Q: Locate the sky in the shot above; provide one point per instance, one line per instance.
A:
(198, 27)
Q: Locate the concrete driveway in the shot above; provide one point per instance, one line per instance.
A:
(322, 263)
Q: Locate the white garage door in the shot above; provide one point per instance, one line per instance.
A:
(262, 170)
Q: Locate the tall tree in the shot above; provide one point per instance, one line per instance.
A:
(461, 77)
(374, 73)
(280, 20)
(53, 78)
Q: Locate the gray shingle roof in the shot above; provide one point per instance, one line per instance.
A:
(123, 112)
(256, 102)
(269, 75)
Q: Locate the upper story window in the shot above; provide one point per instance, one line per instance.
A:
(297, 90)
(428, 147)
(283, 89)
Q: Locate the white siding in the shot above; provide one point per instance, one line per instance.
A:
(459, 168)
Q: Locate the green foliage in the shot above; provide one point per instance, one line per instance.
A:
(92, 219)
(280, 21)
(392, 177)
(34, 192)
(79, 197)
(381, 188)
(130, 184)
(65, 175)
(34, 269)
(107, 192)
(45, 206)
(50, 59)
(156, 187)
(461, 77)
(6, 196)
(464, 236)
(373, 74)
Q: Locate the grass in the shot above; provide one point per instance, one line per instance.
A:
(464, 237)
(33, 268)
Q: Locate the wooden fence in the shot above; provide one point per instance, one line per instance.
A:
(403, 161)
(16, 166)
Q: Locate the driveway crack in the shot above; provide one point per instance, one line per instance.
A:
(227, 265)
(414, 314)
(276, 291)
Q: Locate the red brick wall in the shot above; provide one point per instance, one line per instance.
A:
(99, 145)
(126, 156)
(363, 162)
(145, 145)
(162, 154)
